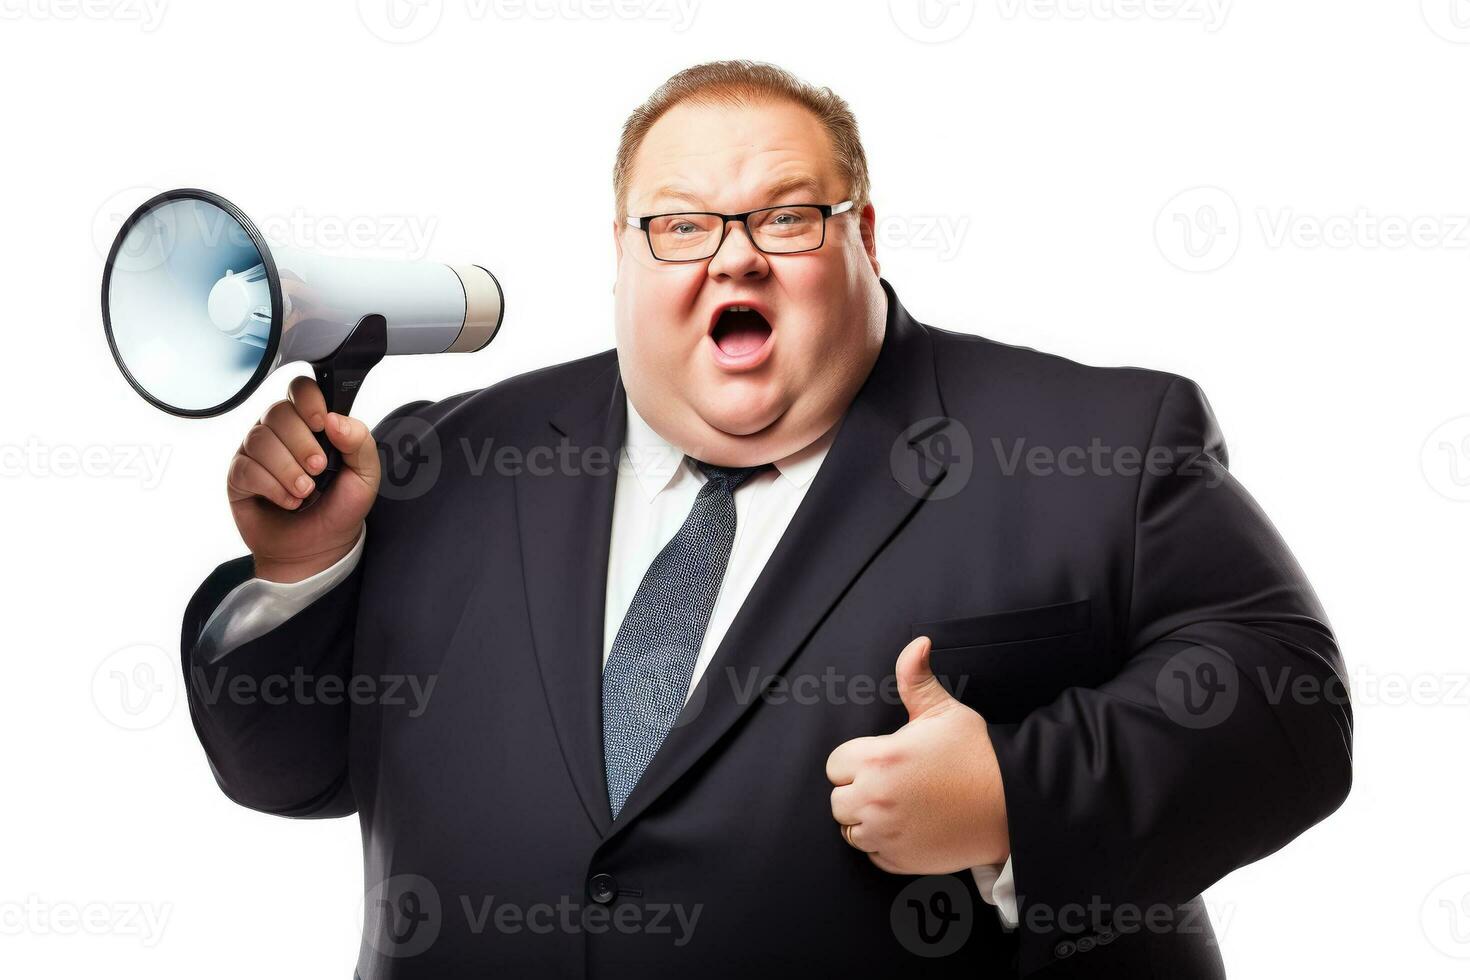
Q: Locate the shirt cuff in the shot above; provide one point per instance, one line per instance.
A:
(997, 884)
(255, 607)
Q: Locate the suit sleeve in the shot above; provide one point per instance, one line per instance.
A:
(272, 713)
(1225, 734)
(256, 606)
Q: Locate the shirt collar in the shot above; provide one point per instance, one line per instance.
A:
(655, 461)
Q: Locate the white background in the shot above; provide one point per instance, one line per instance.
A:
(1037, 172)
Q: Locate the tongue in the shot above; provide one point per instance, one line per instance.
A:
(740, 333)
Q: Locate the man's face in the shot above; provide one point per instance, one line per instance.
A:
(740, 389)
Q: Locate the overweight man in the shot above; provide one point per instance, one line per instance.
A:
(791, 637)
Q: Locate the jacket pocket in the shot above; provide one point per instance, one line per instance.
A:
(1007, 664)
(1011, 626)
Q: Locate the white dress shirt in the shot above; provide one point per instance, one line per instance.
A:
(656, 487)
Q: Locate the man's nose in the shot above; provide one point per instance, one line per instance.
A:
(738, 258)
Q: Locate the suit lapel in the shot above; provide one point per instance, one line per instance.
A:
(854, 505)
(566, 527)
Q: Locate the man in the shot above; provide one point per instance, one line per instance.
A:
(781, 638)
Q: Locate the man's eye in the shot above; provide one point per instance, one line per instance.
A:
(786, 221)
(684, 228)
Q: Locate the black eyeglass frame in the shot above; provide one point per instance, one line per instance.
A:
(827, 211)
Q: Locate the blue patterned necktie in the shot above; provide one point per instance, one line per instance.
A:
(646, 679)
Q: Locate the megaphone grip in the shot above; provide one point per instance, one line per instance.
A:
(329, 472)
(340, 375)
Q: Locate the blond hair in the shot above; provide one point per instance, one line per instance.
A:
(742, 83)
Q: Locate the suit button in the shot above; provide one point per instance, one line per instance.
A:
(602, 888)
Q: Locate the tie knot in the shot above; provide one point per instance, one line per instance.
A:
(730, 476)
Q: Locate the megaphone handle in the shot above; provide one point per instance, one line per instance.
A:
(340, 375)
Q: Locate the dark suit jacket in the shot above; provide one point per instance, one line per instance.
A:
(1096, 584)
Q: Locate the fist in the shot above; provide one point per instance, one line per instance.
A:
(926, 799)
(273, 471)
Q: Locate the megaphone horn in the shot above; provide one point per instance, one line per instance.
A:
(198, 308)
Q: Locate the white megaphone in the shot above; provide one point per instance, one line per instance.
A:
(198, 309)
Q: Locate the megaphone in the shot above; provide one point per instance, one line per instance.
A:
(199, 308)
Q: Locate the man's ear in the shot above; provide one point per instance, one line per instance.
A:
(867, 222)
(617, 230)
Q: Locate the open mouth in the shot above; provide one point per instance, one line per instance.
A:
(740, 331)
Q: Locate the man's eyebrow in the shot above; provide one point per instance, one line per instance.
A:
(670, 191)
(792, 183)
(779, 188)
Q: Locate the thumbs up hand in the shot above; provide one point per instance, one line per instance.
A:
(926, 799)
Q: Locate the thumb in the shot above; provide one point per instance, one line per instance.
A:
(921, 691)
(355, 442)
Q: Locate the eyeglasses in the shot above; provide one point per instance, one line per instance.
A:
(688, 236)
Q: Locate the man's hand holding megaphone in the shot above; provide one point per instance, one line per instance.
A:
(272, 474)
(198, 309)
